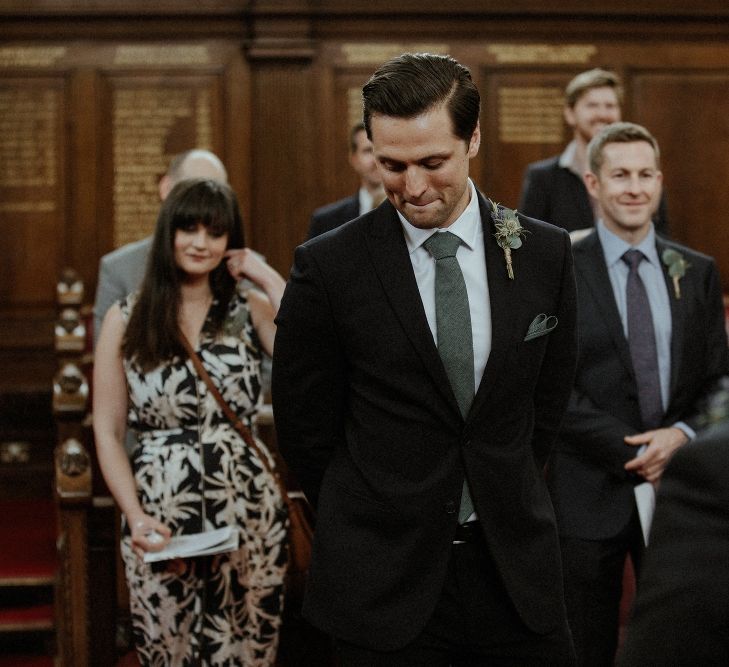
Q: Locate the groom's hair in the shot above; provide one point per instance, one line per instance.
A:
(414, 83)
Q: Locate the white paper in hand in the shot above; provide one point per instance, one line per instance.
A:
(208, 543)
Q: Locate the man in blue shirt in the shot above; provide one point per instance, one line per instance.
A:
(652, 346)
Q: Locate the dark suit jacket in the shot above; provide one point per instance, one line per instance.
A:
(333, 215)
(593, 494)
(681, 613)
(557, 195)
(366, 418)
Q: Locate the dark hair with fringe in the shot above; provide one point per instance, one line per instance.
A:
(153, 333)
(414, 83)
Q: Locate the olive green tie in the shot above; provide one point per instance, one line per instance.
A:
(453, 326)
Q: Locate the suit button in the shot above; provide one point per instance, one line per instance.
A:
(450, 507)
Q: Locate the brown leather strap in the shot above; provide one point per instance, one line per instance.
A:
(238, 425)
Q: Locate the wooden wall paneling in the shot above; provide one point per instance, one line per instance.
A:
(327, 121)
(151, 118)
(284, 158)
(33, 216)
(347, 106)
(238, 128)
(521, 122)
(688, 112)
(85, 233)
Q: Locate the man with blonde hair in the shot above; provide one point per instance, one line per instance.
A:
(652, 348)
(553, 189)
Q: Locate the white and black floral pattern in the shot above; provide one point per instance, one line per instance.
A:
(194, 472)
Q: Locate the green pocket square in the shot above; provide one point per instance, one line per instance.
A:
(541, 324)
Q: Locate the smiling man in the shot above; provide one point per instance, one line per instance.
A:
(418, 389)
(652, 345)
(553, 189)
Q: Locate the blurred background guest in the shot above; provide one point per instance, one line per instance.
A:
(681, 613)
(370, 194)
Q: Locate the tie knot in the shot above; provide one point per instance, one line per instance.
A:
(442, 244)
(633, 258)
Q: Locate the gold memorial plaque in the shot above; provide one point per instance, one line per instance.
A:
(31, 56)
(143, 121)
(376, 53)
(28, 121)
(156, 55)
(577, 54)
(531, 115)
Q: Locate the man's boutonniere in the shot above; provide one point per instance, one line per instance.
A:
(677, 266)
(508, 232)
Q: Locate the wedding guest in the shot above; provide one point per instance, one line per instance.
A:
(191, 471)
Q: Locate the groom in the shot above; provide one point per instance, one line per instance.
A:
(418, 388)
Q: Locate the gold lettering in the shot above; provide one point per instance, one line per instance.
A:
(31, 56)
(542, 53)
(531, 115)
(156, 55)
(28, 140)
(378, 52)
(144, 120)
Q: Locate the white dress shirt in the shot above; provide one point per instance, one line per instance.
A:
(472, 258)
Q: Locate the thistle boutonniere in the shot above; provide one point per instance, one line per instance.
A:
(508, 232)
(677, 266)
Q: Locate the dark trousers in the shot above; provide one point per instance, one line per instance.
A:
(474, 624)
(593, 581)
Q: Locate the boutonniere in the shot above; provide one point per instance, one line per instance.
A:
(677, 266)
(508, 232)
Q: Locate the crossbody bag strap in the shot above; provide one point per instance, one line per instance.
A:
(238, 425)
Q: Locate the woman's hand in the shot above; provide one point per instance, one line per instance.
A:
(148, 534)
(246, 263)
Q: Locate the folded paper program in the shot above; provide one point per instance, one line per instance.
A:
(208, 543)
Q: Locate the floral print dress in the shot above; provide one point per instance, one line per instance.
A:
(194, 472)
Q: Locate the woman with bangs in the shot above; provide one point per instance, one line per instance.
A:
(191, 471)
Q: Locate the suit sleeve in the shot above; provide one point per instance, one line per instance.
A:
(533, 201)
(308, 376)
(558, 368)
(109, 290)
(593, 434)
(716, 363)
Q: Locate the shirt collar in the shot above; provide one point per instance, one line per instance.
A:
(614, 247)
(365, 201)
(567, 159)
(466, 226)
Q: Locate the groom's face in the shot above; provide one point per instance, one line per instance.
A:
(424, 166)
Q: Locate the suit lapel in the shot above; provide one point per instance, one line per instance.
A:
(389, 253)
(678, 320)
(590, 263)
(503, 297)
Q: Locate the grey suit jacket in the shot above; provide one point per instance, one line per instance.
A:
(120, 272)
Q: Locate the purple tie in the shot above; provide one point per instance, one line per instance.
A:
(642, 343)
